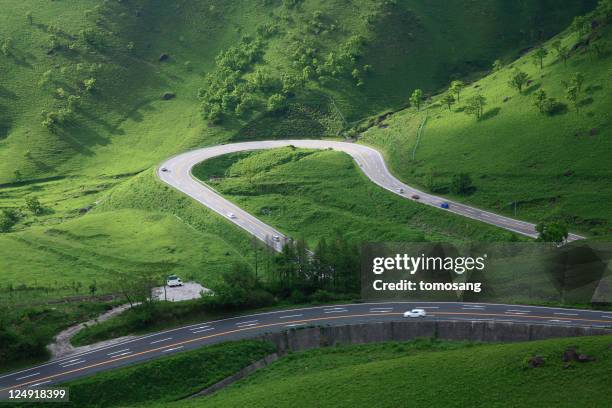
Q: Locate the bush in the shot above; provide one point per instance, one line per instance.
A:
(461, 184)
(8, 218)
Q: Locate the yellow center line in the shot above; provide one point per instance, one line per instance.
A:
(112, 360)
(186, 342)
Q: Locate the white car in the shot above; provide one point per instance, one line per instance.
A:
(232, 216)
(173, 281)
(415, 313)
(275, 238)
(400, 190)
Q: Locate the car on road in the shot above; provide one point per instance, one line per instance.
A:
(415, 313)
(444, 205)
(164, 169)
(275, 238)
(400, 190)
(415, 197)
(232, 216)
(173, 281)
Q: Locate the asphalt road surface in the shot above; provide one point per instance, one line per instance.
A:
(177, 173)
(196, 335)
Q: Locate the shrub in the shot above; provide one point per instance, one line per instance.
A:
(461, 184)
(8, 218)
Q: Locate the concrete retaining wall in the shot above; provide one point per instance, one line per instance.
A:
(480, 331)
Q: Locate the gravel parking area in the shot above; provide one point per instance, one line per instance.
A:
(189, 290)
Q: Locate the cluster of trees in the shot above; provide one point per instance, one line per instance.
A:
(343, 62)
(237, 89)
(228, 91)
(584, 28)
(332, 266)
(296, 274)
(9, 217)
(66, 104)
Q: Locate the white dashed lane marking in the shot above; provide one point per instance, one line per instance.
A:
(117, 352)
(160, 340)
(27, 376)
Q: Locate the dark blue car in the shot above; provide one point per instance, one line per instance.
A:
(444, 205)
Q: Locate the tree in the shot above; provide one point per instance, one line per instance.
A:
(539, 55)
(554, 232)
(573, 95)
(475, 105)
(33, 204)
(497, 65)
(518, 80)
(604, 8)
(564, 53)
(573, 89)
(7, 44)
(577, 80)
(93, 287)
(540, 100)
(416, 98)
(456, 87)
(581, 26)
(276, 102)
(8, 218)
(90, 84)
(136, 287)
(448, 99)
(461, 184)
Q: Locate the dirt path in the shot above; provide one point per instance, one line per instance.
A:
(61, 346)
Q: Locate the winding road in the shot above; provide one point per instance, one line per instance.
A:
(177, 173)
(190, 337)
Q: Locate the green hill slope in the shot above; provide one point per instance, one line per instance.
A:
(480, 376)
(138, 50)
(538, 166)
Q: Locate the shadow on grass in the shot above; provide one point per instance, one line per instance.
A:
(491, 113)
(531, 89)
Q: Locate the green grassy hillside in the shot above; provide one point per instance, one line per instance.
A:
(544, 166)
(121, 124)
(101, 134)
(316, 194)
(392, 375)
(95, 93)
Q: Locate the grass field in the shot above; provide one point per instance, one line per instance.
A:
(427, 374)
(544, 167)
(315, 194)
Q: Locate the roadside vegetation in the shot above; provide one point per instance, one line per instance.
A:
(27, 328)
(426, 373)
(165, 379)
